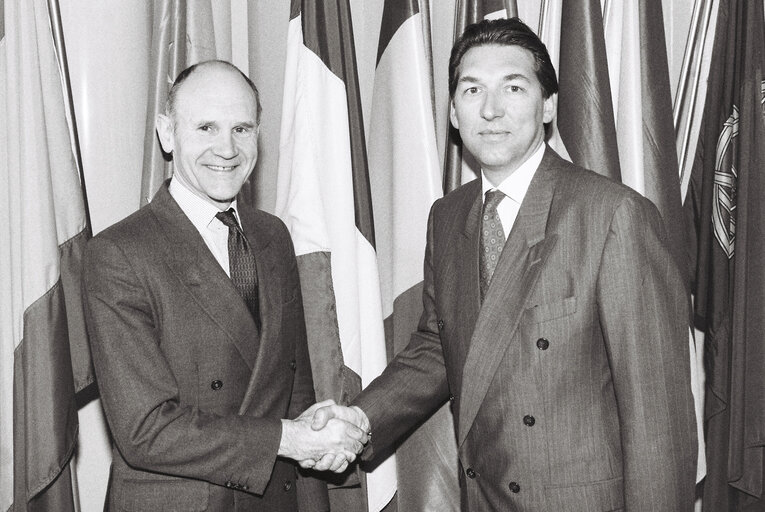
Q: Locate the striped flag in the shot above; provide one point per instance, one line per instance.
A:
(585, 115)
(643, 110)
(637, 59)
(727, 197)
(323, 196)
(456, 169)
(182, 34)
(405, 180)
(41, 240)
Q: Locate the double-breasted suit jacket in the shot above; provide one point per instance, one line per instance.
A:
(570, 384)
(192, 392)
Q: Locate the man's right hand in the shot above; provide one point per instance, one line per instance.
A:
(331, 443)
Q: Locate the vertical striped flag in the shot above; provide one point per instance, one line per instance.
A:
(585, 116)
(41, 240)
(459, 170)
(182, 34)
(637, 54)
(405, 180)
(323, 196)
(727, 196)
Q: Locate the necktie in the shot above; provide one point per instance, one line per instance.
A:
(492, 239)
(241, 264)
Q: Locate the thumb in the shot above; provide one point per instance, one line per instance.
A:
(321, 417)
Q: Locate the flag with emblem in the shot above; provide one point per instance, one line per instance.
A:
(323, 196)
(727, 197)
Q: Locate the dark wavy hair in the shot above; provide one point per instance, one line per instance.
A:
(504, 32)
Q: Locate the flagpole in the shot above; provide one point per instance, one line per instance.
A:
(543, 13)
(686, 133)
(54, 15)
(685, 68)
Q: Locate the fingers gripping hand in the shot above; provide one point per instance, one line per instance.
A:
(331, 448)
(351, 414)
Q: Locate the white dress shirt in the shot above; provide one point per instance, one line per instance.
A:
(514, 187)
(202, 215)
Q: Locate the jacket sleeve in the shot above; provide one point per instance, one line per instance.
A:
(152, 426)
(413, 385)
(643, 309)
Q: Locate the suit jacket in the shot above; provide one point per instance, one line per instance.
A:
(193, 396)
(570, 384)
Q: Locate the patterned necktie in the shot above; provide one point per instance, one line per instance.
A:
(492, 238)
(241, 264)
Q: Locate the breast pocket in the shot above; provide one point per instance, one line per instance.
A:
(550, 311)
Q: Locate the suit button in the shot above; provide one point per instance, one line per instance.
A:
(529, 420)
(216, 385)
(470, 473)
(287, 485)
(229, 484)
(542, 344)
(293, 365)
(440, 325)
(514, 487)
(451, 398)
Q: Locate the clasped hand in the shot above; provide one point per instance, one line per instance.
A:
(326, 436)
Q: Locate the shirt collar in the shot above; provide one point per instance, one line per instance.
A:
(516, 185)
(200, 212)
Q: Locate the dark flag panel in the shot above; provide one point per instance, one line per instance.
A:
(727, 200)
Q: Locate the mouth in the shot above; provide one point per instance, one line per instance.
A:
(494, 134)
(221, 168)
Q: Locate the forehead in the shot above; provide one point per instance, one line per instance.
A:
(216, 93)
(497, 60)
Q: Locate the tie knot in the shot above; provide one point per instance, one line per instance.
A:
(228, 218)
(493, 198)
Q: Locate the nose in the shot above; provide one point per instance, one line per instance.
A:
(225, 147)
(491, 108)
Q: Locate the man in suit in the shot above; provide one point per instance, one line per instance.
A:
(564, 349)
(196, 327)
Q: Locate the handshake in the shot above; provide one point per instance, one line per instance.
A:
(326, 436)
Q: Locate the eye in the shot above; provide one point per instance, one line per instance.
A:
(241, 130)
(205, 127)
(515, 88)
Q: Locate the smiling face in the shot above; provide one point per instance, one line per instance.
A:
(499, 107)
(212, 133)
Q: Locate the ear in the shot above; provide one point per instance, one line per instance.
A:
(164, 127)
(453, 115)
(549, 108)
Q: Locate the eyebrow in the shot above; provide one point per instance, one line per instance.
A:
(506, 78)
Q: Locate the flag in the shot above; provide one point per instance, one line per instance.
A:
(457, 171)
(323, 196)
(182, 34)
(41, 240)
(585, 116)
(727, 196)
(639, 74)
(405, 180)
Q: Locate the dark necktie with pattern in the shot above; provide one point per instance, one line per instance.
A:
(492, 239)
(241, 263)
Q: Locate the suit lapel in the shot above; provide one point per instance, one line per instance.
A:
(467, 260)
(524, 255)
(191, 261)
